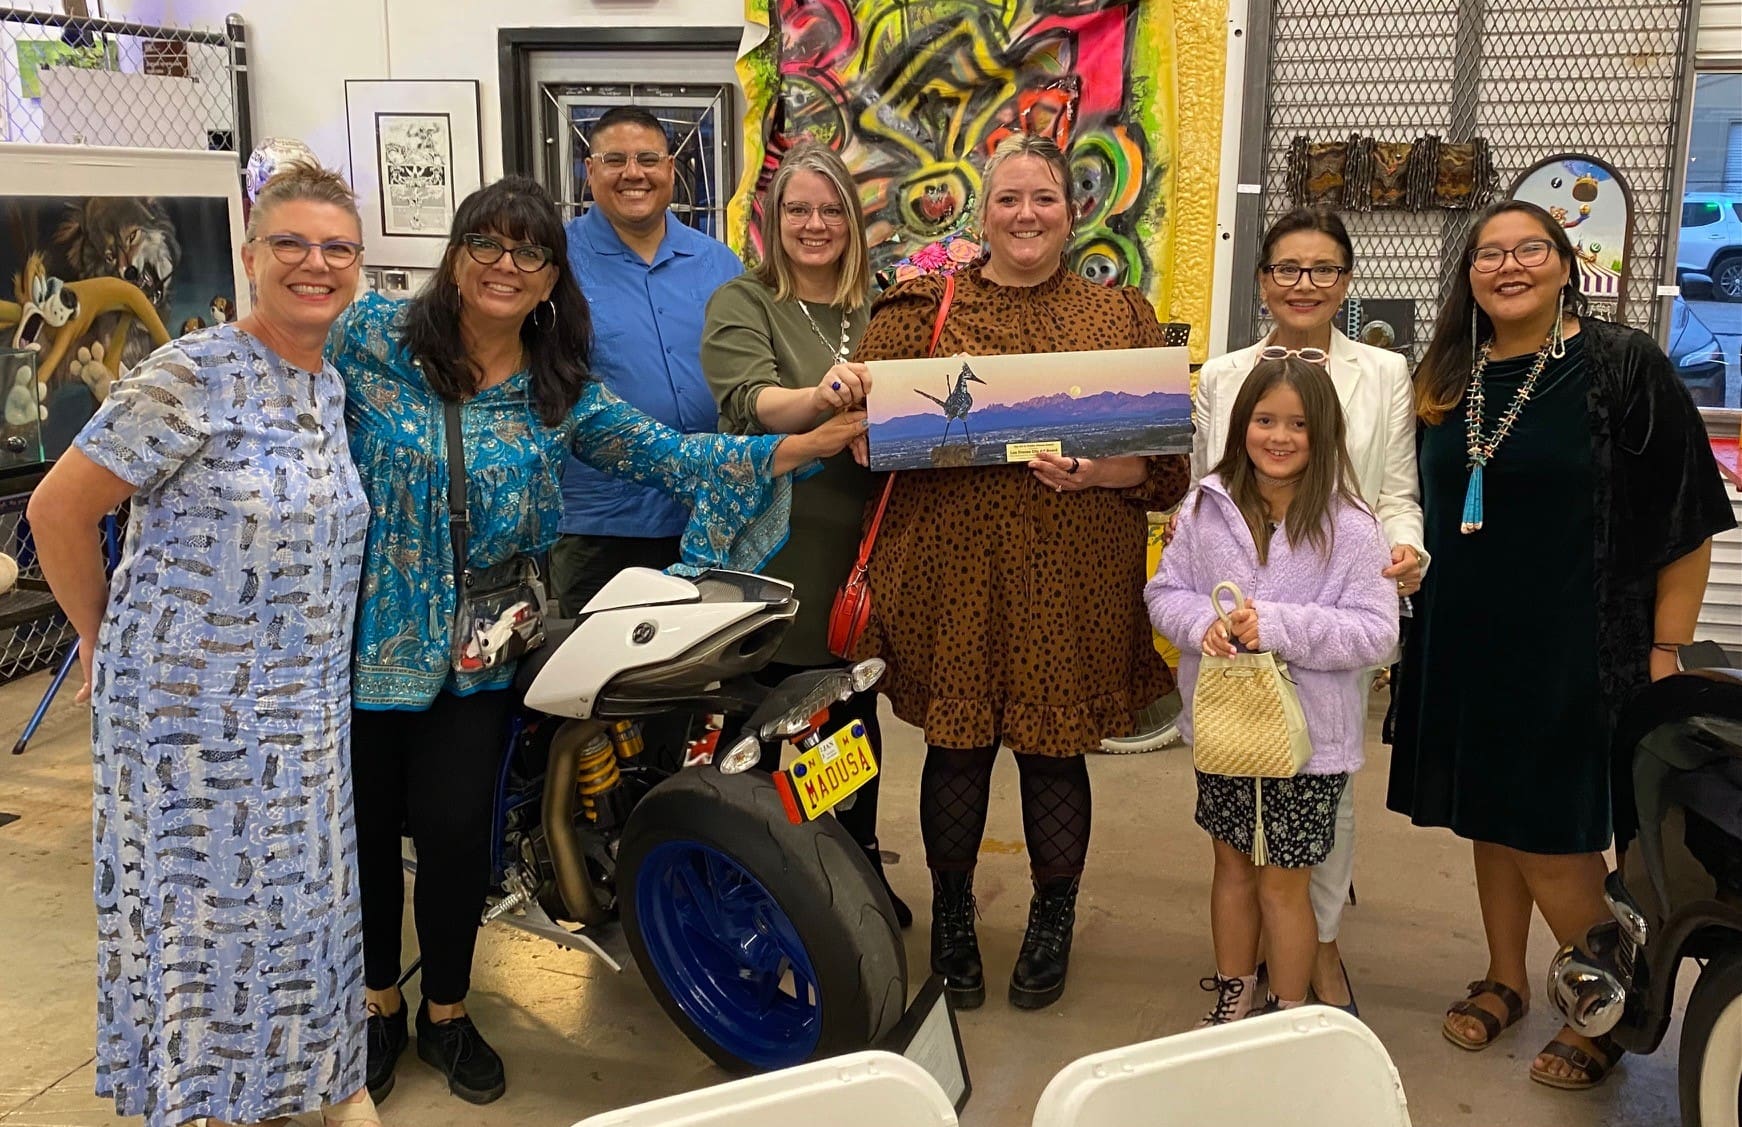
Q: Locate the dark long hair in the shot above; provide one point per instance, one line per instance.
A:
(1320, 219)
(1444, 371)
(1329, 474)
(557, 348)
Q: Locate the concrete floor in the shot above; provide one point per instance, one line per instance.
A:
(579, 1039)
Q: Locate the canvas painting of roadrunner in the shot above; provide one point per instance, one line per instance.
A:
(988, 410)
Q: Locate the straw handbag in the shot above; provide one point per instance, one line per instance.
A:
(1246, 716)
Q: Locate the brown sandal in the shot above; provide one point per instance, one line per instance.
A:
(1516, 1008)
(1590, 1071)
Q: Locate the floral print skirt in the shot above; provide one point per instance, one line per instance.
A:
(1300, 815)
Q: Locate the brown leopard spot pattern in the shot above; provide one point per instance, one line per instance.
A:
(1006, 610)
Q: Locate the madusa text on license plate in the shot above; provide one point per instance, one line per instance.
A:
(832, 770)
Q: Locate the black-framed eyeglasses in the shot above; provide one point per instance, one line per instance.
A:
(798, 214)
(1322, 276)
(1528, 254)
(292, 250)
(528, 258)
(617, 162)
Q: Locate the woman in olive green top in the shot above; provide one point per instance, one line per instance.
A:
(774, 350)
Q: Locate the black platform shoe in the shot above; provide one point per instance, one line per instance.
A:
(1039, 977)
(456, 1049)
(386, 1040)
(955, 951)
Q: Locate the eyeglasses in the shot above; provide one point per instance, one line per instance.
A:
(1531, 252)
(1287, 274)
(798, 214)
(617, 162)
(1277, 352)
(529, 258)
(292, 250)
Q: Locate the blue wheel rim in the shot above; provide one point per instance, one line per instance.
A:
(732, 960)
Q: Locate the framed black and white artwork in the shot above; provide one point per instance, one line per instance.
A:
(415, 153)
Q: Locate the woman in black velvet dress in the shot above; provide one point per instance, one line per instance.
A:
(1570, 529)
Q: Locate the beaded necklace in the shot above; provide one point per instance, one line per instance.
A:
(839, 351)
(1481, 451)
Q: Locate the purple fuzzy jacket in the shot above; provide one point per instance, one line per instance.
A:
(1328, 618)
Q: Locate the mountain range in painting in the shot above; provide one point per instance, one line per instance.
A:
(1058, 409)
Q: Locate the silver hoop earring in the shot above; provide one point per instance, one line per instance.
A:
(552, 322)
(1559, 348)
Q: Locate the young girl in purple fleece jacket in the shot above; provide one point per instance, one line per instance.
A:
(1280, 517)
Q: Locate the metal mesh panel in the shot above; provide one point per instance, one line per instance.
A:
(1531, 78)
(33, 635)
(81, 81)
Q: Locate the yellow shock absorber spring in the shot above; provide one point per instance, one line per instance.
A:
(596, 774)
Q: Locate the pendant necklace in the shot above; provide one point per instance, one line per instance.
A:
(1481, 451)
(839, 351)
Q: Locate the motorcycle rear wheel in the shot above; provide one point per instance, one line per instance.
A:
(1710, 1061)
(768, 944)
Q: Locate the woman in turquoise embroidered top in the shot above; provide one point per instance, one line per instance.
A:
(503, 329)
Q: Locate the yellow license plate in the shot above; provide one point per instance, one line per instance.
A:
(832, 770)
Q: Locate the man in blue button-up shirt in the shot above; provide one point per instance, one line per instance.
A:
(647, 277)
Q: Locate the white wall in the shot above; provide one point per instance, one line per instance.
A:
(302, 51)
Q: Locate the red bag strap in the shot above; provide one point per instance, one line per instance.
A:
(937, 331)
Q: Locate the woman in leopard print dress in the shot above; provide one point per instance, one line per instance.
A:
(1008, 599)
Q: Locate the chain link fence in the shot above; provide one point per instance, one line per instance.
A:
(1530, 78)
(76, 80)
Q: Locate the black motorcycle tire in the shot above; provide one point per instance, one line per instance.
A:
(1716, 996)
(817, 875)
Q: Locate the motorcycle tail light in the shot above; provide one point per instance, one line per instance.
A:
(741, 756)
(1625, 911)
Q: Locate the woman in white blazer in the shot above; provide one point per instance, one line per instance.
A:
(1306, 262)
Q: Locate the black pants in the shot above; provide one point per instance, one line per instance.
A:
(859, 819)
(430, 774)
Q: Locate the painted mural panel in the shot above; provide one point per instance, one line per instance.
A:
(914, 96)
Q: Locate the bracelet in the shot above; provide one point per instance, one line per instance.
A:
(1670, 647)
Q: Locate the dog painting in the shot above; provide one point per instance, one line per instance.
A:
(93, 284)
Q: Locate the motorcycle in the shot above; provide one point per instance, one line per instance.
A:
(753, 916)
(1678, 895)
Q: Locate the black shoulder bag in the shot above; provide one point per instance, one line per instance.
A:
(498, 610)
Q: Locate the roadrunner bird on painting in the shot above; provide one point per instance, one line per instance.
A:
(957, 403)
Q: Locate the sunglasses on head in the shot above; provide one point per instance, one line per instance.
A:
(1310, 355)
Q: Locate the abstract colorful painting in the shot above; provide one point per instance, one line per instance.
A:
(914, 94)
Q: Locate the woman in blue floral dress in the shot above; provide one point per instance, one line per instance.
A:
(503, 330)
(217, 662)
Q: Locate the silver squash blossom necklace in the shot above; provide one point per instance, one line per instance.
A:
(1481, 450)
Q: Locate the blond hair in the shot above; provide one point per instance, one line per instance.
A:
(1026, 145)
(853, 288)
(299, 180)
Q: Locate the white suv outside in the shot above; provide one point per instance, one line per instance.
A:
(1710, 242)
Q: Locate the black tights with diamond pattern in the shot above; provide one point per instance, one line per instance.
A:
(955, 790)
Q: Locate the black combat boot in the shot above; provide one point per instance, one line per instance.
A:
(1039, 977)
(955, 952)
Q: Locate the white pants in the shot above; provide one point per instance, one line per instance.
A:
(1331, 879)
